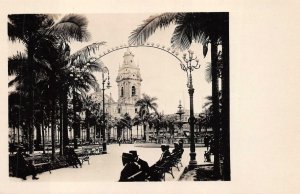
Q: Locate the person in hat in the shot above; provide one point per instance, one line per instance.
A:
(24, 168)
(130, 168)
(143, 164)
(155, 174)
(165, 154)
(176, 148)
(72, 157)
(181, 150)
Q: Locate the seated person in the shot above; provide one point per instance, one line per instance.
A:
(130, 168)
(176, 148)
(155, 174)
(166, 153)
(72, 157)
(23, 167)
(181, 150)
(144, 167)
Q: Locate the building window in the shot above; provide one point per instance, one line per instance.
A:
(133, 91)
(119, 110)
(135, 110)
(122, 92)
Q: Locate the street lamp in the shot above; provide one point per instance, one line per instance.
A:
(191, 63)
(104, 79)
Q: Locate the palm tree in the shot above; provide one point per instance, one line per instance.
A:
(136, 122)
(30, 30)
(49, 36)
(206, 28)
(146, 103)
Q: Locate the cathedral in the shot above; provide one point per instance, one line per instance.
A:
(129, 89)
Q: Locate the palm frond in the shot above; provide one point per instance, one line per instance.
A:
(72, 26)
(15, 81)
(16, 62)
(181, 37)
(83, 55)
(13, 33)
(149, 26)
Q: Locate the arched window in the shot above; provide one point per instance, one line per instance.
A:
(122, 92)
(133, 92)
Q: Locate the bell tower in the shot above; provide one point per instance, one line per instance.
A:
(129, 84)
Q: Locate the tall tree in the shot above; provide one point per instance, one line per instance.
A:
(136, 122)
(145, 104)
(35, 31)
(206, 28)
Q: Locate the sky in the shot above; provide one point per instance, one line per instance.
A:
(160, 71)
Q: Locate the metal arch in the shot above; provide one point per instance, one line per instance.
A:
(152, 45)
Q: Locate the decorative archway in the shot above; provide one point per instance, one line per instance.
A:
(168, 50)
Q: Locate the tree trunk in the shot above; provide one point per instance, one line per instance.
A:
(18, 134)
(144, 126)
(95, 133)
(215, 104)
(43, 136)
(127, 133)
(75, 125)
(38, 135)
(225, 100)
(88, 136)
(123, 131)
(53, 129)
(30, 49)
(65, 120)
(61, 152)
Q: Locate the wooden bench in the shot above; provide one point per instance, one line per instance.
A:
(93, 150)
(176, 160)
(41, 163)
(83, 156)
(139, 176)
(164, 168)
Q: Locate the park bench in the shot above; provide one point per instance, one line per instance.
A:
(83, 155)
(96, 150)
(166, 167)
(139, 176)
(41, 163)
(176, 160)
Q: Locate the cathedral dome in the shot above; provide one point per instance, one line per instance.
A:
(128, 53)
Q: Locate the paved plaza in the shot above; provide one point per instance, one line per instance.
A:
(107, 167)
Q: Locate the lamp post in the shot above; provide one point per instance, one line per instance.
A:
(104, 79)
(191, 63)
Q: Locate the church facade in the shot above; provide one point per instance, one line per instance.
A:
(129, 89)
